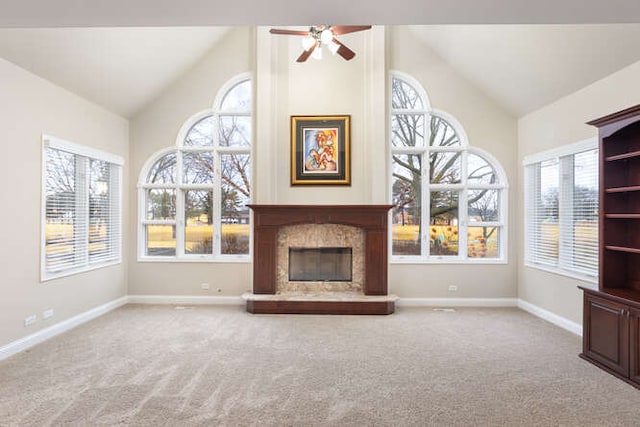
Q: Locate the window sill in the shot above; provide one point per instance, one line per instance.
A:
(570, 274)
(230, 260)
(46, 276)
(443, 260)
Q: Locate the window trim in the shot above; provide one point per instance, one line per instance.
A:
(556, 154)
(90, 153)
(215, 111)
(465, 148)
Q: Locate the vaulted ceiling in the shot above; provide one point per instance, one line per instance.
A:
(522, 67)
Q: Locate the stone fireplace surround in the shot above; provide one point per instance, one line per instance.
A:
(273, 226)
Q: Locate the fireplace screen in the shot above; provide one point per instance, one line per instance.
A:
(320, 264)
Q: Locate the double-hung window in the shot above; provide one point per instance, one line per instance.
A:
(561, 210)
(81, 208)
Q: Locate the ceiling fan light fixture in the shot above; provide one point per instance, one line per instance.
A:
(326, 36)
(317, 53)
(319, 35)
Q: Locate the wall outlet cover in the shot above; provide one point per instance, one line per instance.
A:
(30, 320)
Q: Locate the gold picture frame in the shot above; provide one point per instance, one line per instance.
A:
(321, 150)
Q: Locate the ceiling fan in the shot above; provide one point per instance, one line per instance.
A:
(319, 35)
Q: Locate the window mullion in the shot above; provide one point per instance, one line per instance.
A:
(533, 198)
(217, 206)
(115, 221)
(536, 212)
(462, 223)
(217, 189)
(181, 221)
(425, 222)
(142, 228)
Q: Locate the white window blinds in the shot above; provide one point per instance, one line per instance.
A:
(579, 232)
(81, 201)
(561, 210)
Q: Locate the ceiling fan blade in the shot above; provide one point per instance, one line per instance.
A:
(346, 29)
(307, 53)
(289, 32)
(344, 51)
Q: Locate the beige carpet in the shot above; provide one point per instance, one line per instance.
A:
(158, 365)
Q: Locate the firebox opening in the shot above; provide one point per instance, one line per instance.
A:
(320, 264)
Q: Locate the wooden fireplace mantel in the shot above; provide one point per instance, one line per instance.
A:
(372, 219)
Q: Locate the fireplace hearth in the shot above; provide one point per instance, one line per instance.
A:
(321, 228)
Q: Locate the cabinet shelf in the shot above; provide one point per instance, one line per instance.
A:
(622, 189)
(622, 216)
(622, 249)
(627, 294)
(623, 156)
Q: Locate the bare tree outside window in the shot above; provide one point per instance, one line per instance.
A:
(427, 153)
(209, 175)
(82, 208)
(60, 233)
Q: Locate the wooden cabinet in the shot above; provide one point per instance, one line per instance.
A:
(611, 336)
(606, 333)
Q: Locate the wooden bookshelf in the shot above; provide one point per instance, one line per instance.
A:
(611, 336)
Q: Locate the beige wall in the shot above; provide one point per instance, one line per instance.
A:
(29, 107)
(488, 127)
(155, 128)
(555, 125)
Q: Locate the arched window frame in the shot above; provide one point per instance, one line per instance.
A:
(463, 188)
(180, 187)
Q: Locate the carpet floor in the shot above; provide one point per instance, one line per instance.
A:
(144, 365)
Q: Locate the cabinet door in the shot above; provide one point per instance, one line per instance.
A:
(634, 345)
(606, 333)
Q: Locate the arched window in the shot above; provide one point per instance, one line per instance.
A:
(449, 199)
(193, 197)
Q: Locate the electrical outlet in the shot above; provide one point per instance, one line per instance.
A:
(205, 286)
(47, 314)
(453, 288)
(30, 320)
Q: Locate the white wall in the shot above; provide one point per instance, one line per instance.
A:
(331, 86)
(156, 128)
(29, 107)
(488, 127)
(555, 125)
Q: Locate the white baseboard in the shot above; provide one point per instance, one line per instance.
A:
(185, 300)
(560, 321)
(58, 328)
(457, 302)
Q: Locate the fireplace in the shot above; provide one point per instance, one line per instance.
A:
(320, 230)
(318, 238)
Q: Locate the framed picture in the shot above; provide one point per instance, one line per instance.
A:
(320, 150)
